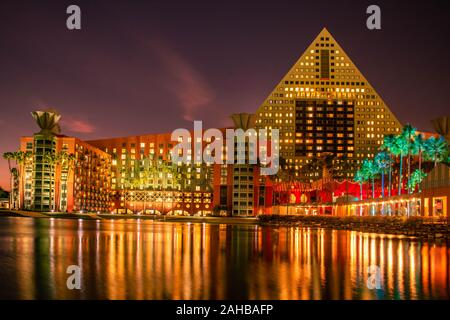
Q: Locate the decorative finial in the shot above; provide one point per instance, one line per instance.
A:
(47, 120)
(243, 120)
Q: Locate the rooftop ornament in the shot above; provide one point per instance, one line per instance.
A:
(47, 121)
(243, 120)
(442, 126)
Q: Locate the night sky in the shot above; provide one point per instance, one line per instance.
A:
(141, 67)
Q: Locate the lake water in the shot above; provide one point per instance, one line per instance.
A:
(130, 259)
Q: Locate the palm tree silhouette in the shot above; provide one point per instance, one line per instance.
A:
(9, 156)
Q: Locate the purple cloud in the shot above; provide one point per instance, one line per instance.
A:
(186, 83)
(76, 125)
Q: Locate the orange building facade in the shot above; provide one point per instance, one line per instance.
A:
(80, 184)
(144, 180)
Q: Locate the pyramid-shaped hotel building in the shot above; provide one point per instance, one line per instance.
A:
(324, 104)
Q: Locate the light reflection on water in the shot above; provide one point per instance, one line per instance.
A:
(129, 259)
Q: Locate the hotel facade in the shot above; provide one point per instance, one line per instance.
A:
(134, 174)
(323, 106)
(144, 176)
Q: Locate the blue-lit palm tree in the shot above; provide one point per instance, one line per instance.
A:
(360, 177)
(416, 178)
(371, 170)
(383, 162)
(436, 149)
(409, 133)
(388, 144)
(400, 149)
(419, 148)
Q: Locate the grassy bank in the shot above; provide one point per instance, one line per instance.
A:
(422, 227)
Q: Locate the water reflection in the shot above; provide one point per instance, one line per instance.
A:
(155, 260)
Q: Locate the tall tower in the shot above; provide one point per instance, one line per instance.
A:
(323, 104)
(243, 184)
(43, 193)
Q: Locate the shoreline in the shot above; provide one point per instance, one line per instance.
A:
(95, 216)
(423, 228)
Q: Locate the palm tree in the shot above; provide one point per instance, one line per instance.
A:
(22, 158)
(419, 148)
(382, 161)
(17, 157)
(360, 177)
(371, 170)
(51, 160)
(400, 148)
(388, 144)
(436, 149)
(15, 178)
(408, 134)
(416, 178)
(27, 161)
(67, 161)
(9, 156)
